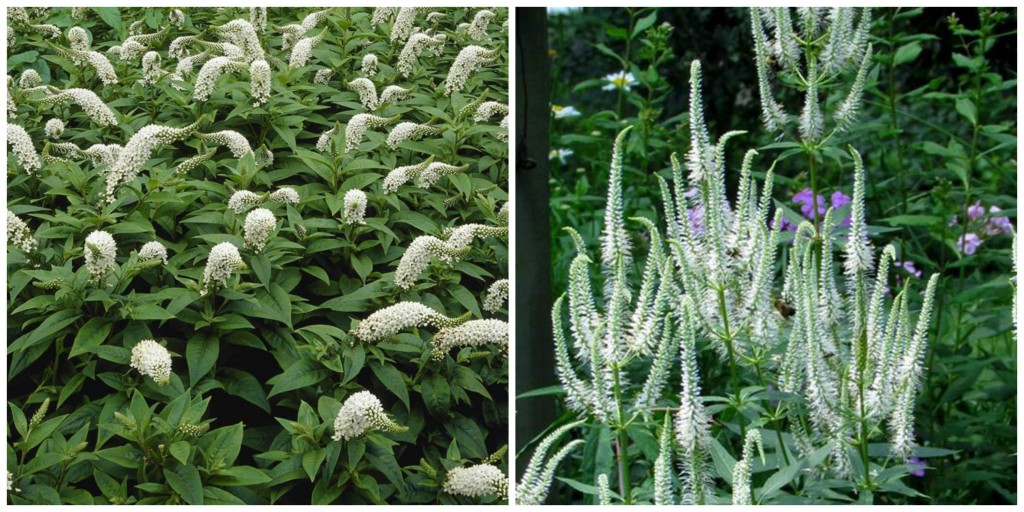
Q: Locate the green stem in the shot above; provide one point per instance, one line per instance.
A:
(733, 374)
(625, 486)
(814, 188)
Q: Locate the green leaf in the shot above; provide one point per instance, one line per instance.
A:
(239, 476)
(261, 267)
(311, 462)
(180, 450)
(469, 436)
(645, 23)
(111, 16)
(243, 385)
(393, 380)
(47, 329)
(275, 305)
(967, 109)
(906, 53)
(221, 446)
(90, 336)
(303, 373)
(436, 395)
(912, 220)
(201, 353)
(186, 482)
(22, 58)
(356, 301)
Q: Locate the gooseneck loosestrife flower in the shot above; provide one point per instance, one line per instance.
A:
(469, 61)
(19, 234)
(152, 360)
(137, 152)
(476, 481)
(224, 261)
(100, 254)
(393, 319)
(23, 148)
(361, 413)
(359, 124)
(259, 225)
(470, 334)
(497, 294)
(855, 360)
(355, 206)
(418, 255)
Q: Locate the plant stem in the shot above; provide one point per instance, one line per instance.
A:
(814, 187)
(625, 486)
(734, 376)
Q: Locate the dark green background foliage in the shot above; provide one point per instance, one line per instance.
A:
(266, 363)
(937, 131)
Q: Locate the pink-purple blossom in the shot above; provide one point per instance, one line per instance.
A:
(918, 465)
(909, 267)
(968, 244)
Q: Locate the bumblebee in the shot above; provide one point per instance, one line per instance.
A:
(784, 308)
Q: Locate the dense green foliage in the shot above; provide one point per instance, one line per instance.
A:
(937, 131)
(260, 367)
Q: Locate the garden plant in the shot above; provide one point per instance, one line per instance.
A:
(800, 320)
(257, 255)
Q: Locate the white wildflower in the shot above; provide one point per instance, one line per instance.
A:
(235, 141)
(497, 294)
(54, 128)
(223, 261)
(369, 65)
(409, 131)
(151, 71)
(258, 18)
(434, 17)
(323, 76)
(393, 319)
(400, 175)
(403, 24)
(284, 195)
(18, 233)
(29, 79)
(361, 413)
(243, 200)
(393, 94)
(434, 171)
(489, 109)
(367, 92)
(357, 127)
(469, 60)
(176, 18)
(314, 18)
(79, 38)
(137, 152)
(153, 251)
(477, 481)
(470, 334)
(409, 55)
(303, 50)
(93, 106)
(381, 15)
(259, 225)
(22, 147)
(152, 360)
(323, 144)
(478, 28)
(206, 81)
(100, 254)
(259, 76)
(355, 207)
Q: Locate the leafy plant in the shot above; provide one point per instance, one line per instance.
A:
(206, 211)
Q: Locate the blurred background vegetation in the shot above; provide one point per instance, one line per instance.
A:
(938, 134)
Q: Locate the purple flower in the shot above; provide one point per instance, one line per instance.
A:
(806, 198)
(839, 200)
(919, 466)
(975, 211)
(910, 267)
(696, 216)
(968, 244)
(954, 221)
(997, 225)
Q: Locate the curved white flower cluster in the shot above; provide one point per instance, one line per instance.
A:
(242, 200)
(224, 260)
(100, 254)
(206, 80)
(496, 296)
(369, 64)
(18, 233)
(323, 76)
(469, 60)
(259, 225)
(242, 34)
(403, 25)
(470, 334)
(416, 44)
(22, 147)
(153, 251)
(381, 15)
(235, 142)
(357, 127)
(91, 104)
(393, 319)
(176, 18)
(417, 257)
(29, 79)
(434, 171)
(478, 28)
(361, 413)
(303, 50)
(489, 109)
(393, 94)
(136, 153)
(409, 131)
(286, 195)
(259, 76)
(151, 71)
(355, 207)
(152, 360)
(476, 481)
(258, 18)
(367, 92)
(79, 38)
